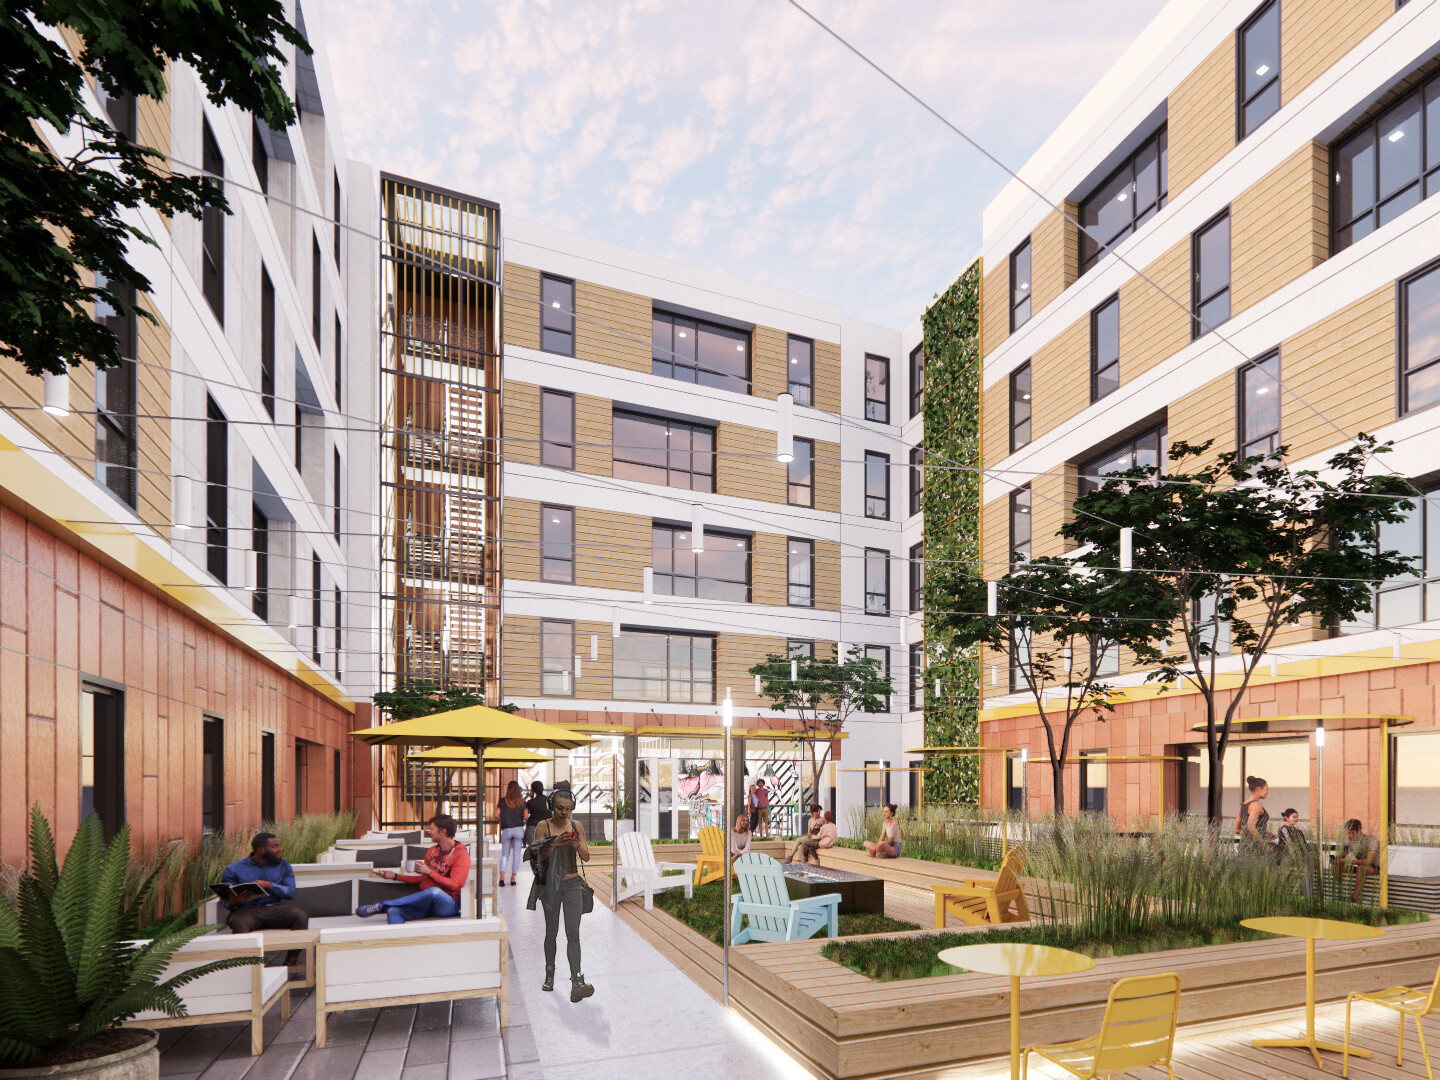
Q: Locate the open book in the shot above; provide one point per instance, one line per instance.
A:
(235, 895)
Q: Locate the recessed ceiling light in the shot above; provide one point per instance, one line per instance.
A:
(1262, 390)
(1024, 285)
(1122, 196)
(793, 360)
(739, 348)
(1262, 69)
(1025, 397)
(682, 333)
(1024, 509)
(555, 521)
(1396, 135)
(555, 303)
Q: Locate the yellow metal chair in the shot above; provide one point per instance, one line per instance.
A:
(1406, 1002)
(1138, 1030)
(710, 863)
(977, 902)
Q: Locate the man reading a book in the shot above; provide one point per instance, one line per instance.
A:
(269, 882)
(441, 876)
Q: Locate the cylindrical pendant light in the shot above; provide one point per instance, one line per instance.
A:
(184, 500)
(594, 646)
(57, 393)
(577, 667)
(697, 528)
(758, 690)
(1127, 548)
(785, 428)
(992, 598)
(794, 670)
(295, 612)
(614, 622)
(252, 570)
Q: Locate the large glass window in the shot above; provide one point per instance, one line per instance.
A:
(317, 600)
(654, 450)
(267, 776)
(917, 380)
(1210, 291)
(1148, 449)
(1014, 783)
(917, 478)
(212, 229)
(1104, 658)
(260, 541)
(917, 576)
(654, 665)
(1019, 658)
(1259, 411)
(217, 478)
(557, 544)
(877, 389)
(316, 277)
(800, 577)
(1093, 781)
(1420, 340)
(1128, 198)
(212, 776)
(115, 434)
(557, 429)
(335, 212)
(699, 352)
(720, 572)
(877, 485)
(557, 315)
(1417, 778)
(1020, 286)
(557, 658)
(800, 474)
(267, 343)
(917, 675)
(1258, 60)
(877, 581)
(1105, 349)
(1020, 525)
(1388, 166)
(1409, 598)
(1020, 406)
(102, 756)
(336, 510)
(1210, 627)
(261, 162)
(800, 371)
(880, 654)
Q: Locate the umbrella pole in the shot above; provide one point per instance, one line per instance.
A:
(480, 829)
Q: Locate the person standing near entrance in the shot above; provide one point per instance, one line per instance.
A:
(752, 809)
(275, 910)
(537, 809)
(762, 806)
(563, 893)
(511, 812)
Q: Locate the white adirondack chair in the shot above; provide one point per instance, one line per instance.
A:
(640, 874)
(773, 916)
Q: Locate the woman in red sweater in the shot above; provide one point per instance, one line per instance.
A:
(447, 868)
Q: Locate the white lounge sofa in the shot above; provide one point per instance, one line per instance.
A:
(240, 993)
(366, 967)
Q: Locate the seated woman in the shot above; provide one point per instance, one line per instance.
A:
(447, 868)
(888, 846)
(805, 845)
(740, 837)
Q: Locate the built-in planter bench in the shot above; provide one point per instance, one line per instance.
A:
(924, 875)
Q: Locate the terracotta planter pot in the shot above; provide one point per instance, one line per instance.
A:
(137, 1063)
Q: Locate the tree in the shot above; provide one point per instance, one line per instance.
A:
(1233, 551)
(823, 695)
(67, 175)
(1062, 622)
(420, 698)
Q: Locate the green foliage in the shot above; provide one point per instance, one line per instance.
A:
(960, 835)
(410, 700)
(705, 913)
(61, 198)
(951, 502)
(68, 946)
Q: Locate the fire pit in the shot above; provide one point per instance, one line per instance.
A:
(857, 892)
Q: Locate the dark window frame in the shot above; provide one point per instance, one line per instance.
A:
(217, 489)
(117, 435)
(807, 388)
(547, 511)
(1198, 301)
(917, 675)
(917, 479)
(339, 629)
(339, 345)
(260, 542)
(337, 488)
(557, 321)
(317, 601)
(335, 779)
(1242, 101)
(267, 342)
(877, 603)
(1021, 508)
(1244, 437)
(316, 289)
(1020, 644)
(1016, 321)
(671, 362)
(671, 472)
(877, 410)
(881, 653)
(1092, 479)
(335, 175)
(1096, 370)
(267, 776)
(107, 756)
(671, 638)
(1403, 371)
(917, 380)
(1086, 799)
(799, 459)
(799, 593)
(562, 448)
(677, 542)
(917, 577)
(212, 228)
(566, 671)
(259, 159)
(212, 775)
(1020, 429)
(1138, 215)
(880, 502)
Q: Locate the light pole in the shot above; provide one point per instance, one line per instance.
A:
(727, 719)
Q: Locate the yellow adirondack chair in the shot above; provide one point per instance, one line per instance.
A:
(1138, 1030)
(710, 863)
(1406, 1002)
(978, 902)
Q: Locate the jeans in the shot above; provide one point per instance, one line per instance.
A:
(567, 903)
(433, 902)
(511, 844)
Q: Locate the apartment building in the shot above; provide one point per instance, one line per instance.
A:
(187, 578)
(1260, 178)
(640, 400)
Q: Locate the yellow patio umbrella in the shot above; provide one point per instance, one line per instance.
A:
(454, 758)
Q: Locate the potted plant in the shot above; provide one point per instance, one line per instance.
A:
(625, 816)
(74, 970)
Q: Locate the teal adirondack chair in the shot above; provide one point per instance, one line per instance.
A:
(773, 915)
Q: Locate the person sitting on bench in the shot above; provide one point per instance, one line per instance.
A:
(888, 847)
(447, 868)
(275, 909)
(1360, 851)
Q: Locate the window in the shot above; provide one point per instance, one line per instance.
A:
(1020, 286)
(800, 575)
(1210, 288)
(260, 160)
(1019, 658)
(917, 380)
(1417, 763)
(654, 665)
(212, 777)
(1147, 450)
(803, 650)
(877, 389)
(335, 505)
(115, 434)
(317, 615)
(339, 365)
(335, 780)
(917, 577)
(336, 208)
(1420, 339)
(1014, 783)
(877, 784)
(339, 629)
(917, 478)
(1258, 62)
(1209, 627)
(1020, 407)
(699, 352)
(800, 474)
(557, 544)
(1388, 166)
(102, 756)
(267, 776)
(557, 658)
(1128, 198)
(260, 541)
(1019, 526)
(1105, 349)
(217, 478)
(720, 572)
(267, 343)
(1104, 658)
(880, 653)
(800, 371)
(877, 581)
(557, 315)
(299, 437)
(315, 289)
(119, 110)
(877, 485)
(1092, 781)
(299, 777)
(917, 675)
(1409, 598)
(212, 230)
(1258, 386)
(557, 429)
(654, 450)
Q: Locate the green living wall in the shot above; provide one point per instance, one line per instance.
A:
(951, 502)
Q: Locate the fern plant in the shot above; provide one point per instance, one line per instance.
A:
(72, 967)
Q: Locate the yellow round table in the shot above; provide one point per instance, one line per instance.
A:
(1017, 960)
(1312, 930)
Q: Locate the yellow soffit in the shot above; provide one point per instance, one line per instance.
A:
(23, 474)
(1412, 652)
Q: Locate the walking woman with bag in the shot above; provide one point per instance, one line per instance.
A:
(564, 892)
(511, 812)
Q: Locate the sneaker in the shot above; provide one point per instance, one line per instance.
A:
(366, 910)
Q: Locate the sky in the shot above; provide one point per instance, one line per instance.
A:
(735, 135)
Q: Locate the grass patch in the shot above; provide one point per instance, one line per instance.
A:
(704, 914)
